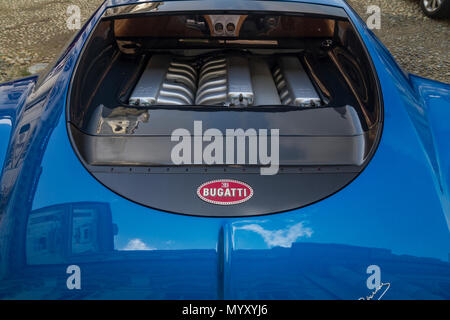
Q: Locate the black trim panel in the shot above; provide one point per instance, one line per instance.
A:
(228, 6)
(178, 192)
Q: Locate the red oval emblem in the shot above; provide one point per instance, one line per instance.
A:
(225, 192)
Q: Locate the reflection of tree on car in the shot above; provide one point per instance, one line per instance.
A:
(436, 8)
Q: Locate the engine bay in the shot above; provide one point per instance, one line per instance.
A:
(305, 80)
(229, 80)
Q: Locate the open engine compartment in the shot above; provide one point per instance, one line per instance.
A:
(145, 74)
(183, 60)
(231, 80)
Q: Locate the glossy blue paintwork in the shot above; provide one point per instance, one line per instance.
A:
(12, 96)
(395, 214)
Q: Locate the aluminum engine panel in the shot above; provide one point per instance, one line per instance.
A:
(230, 80)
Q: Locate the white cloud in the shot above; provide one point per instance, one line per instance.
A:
(282, 237)
(137, 245)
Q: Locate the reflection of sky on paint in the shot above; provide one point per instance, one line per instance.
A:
(374, 211)
(5, 121)
(283, 237)
(162, 230)
(156, 229)
(137, 245)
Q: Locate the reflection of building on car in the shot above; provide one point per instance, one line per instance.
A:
(59, 233)
(436, 8)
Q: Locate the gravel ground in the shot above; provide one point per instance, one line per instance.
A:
(34, 32)
(419, 44)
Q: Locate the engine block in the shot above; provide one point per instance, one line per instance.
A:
(224, 80)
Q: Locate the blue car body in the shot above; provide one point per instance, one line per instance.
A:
(395, 214)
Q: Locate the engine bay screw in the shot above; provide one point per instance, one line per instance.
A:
(218, 27)
(231, 27)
